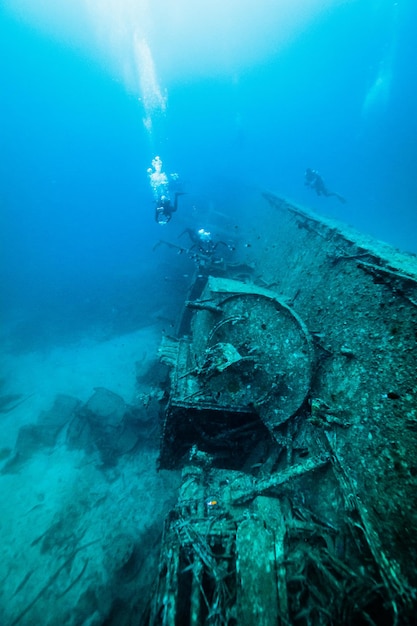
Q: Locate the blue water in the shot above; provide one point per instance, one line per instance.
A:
(77, 227)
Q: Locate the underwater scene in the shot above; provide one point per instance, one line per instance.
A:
(208, 280)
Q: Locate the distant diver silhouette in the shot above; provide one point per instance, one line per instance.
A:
(313, 179)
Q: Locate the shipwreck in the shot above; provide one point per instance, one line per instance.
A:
(291, 411)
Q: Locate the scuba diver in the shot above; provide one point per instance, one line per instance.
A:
(202, 240)
(162, 185)
(164, 208)
(202, 250)
(313, 179)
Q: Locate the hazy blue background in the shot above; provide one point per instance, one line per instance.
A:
(339, 94)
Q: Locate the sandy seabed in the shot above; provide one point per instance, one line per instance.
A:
(79, 543)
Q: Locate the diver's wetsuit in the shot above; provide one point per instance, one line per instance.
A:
(164, 208)
(315, 181)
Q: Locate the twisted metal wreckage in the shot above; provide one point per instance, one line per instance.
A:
(292, 412)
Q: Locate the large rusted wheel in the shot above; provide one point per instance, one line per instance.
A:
(273, 372)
